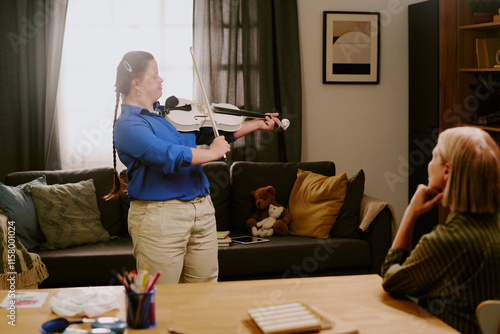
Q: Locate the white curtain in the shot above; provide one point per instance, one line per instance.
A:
(98, 33)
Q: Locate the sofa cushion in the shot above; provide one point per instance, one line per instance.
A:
(292, 256)
(347, 224)
(92, 264)
(103, 180)
(315, 203)
(68, 214)
(20, 209)
(217, 174)
(248, 176)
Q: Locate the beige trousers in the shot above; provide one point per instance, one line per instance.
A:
(177, 237)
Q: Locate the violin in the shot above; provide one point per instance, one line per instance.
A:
(189, 116)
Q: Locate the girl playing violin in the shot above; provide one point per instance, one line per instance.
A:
(171, 218)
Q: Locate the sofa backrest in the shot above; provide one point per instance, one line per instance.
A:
(103, 181)
(248, 176)
(230, 188)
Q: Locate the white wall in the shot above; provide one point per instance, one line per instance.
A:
(359, 126)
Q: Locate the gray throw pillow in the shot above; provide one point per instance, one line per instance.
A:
(20, 209)
(68, 214)
(347, 224)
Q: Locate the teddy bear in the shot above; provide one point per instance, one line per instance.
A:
(263, 198)
(264, 228)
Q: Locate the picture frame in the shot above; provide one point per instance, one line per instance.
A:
(351, 47)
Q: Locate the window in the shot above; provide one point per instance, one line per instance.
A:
(98, 33)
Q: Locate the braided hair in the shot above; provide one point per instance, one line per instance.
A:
(132, 66)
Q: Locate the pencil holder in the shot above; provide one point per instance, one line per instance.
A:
(141, 309)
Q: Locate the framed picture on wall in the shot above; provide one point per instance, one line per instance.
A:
(351, 47)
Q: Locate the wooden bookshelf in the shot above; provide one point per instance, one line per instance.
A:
(494, 128)
(457, 30)
(481, 26)
(448, 63)
(479, 69)
(455, 72)
(468, 31)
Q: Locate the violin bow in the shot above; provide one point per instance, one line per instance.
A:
(205, 98)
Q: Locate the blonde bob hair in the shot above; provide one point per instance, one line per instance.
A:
(473, 183)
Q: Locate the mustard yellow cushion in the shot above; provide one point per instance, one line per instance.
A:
(315, 203)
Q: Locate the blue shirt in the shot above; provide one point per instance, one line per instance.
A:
(158, 157)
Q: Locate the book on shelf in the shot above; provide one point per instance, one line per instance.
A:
(485, 51)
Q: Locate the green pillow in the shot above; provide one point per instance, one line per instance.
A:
(68, 214)
(20, 209)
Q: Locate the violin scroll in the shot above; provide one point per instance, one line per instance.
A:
(285, 123)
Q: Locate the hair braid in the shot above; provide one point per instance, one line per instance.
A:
(119, 185)
(132, 66)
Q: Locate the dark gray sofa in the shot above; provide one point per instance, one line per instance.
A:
(231, 186)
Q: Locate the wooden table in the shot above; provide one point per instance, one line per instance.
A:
(222, 307)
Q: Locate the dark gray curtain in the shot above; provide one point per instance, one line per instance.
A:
(247, 53)
(30, 51)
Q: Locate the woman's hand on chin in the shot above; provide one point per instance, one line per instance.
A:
(425, 198)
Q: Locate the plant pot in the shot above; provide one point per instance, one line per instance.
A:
(483, 17)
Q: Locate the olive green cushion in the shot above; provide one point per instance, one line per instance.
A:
(68, 214)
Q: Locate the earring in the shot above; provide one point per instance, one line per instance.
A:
(138, 93)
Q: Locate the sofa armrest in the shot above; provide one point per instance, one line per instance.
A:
(30, 270)
(378, 227)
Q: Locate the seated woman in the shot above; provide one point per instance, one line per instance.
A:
(457, 265)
